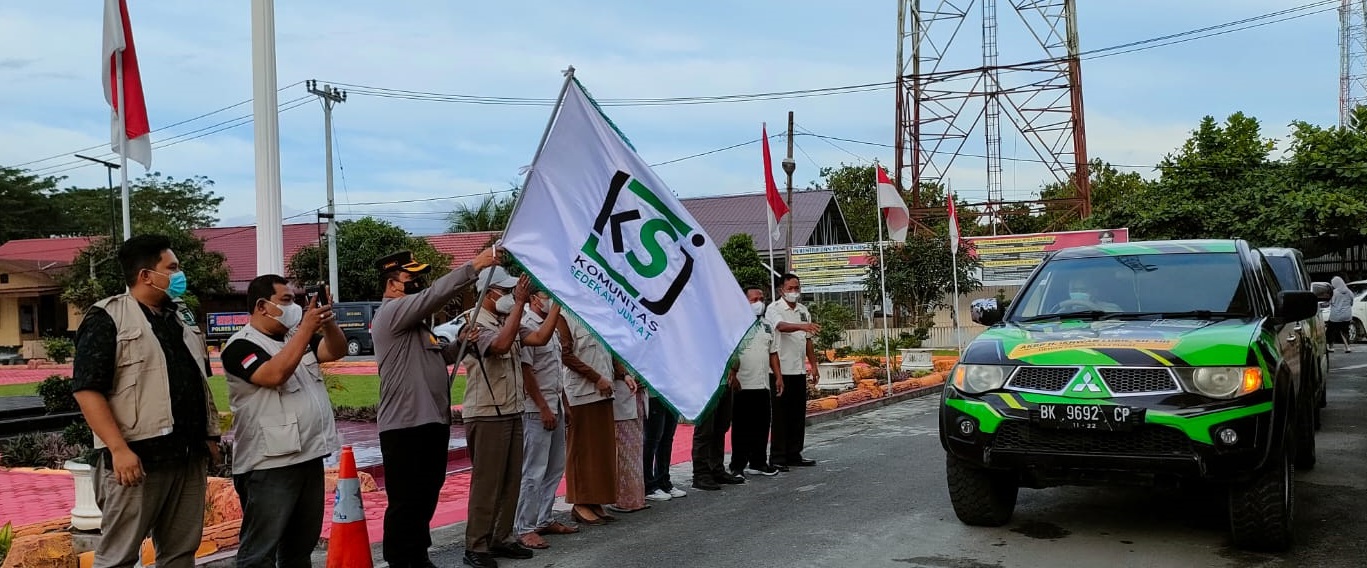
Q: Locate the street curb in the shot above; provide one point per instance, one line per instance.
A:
(454, 535)
(843, 412)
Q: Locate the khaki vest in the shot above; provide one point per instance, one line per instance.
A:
(283, 426)
(141, 398)
(501, 394)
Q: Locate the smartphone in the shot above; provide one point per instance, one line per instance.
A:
(318, 291)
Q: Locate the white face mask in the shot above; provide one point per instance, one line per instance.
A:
(758, 307)
(792, 297)
(504, 304)
(290, 316)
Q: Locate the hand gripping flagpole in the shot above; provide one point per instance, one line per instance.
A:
(883, 288)
(479, 300)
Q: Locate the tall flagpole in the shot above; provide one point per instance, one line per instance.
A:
(121, 110)
(769, 215)
(883, 288)
(954, 274)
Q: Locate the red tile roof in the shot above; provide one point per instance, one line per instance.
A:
(60, 250)
(237, 244)
(461, 247)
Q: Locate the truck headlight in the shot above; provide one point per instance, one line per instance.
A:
(975, 379)
(1224, 382)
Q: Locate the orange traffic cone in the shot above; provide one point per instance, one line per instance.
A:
(349, 544)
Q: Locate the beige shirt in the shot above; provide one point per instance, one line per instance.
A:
(792, 346)
(546, 365)
(493, 387)
(593, 353)
(753, 364)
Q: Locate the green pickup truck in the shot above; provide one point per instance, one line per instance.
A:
(1148, 362)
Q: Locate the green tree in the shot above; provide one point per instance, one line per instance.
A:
(856, 190)
(491, 214)
(160, 204)
(205, 271)
(360, 243)
(1322, 205)
(920, 275)
(1112, 191)
(743, 260)
(27, 212)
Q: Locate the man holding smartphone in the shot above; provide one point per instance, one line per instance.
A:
(283, 422)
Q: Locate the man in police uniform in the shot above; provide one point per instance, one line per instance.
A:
(415, 397)
(283, 423)
(492, 413)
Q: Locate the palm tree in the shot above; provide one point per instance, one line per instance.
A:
(491, 214)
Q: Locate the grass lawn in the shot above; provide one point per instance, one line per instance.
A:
(18, 390)
(361, 390)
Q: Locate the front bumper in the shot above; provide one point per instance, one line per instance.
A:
(1179, 438)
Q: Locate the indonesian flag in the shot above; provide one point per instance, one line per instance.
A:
(894, 209)
(777, 208)
(119, 56)
(953, 227)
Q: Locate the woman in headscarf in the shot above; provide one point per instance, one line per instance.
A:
(1340, 314)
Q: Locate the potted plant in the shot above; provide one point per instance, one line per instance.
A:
(834, 319)
(85, 515)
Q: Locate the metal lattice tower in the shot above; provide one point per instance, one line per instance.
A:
(1352, 58)
(945, 92)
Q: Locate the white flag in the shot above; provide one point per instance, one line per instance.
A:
(612, 243)
(893, 207)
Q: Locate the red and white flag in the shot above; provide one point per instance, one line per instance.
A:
(777, 208)
(893, 207)
(121, 59)
(953, 226)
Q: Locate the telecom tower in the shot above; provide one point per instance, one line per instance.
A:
(948, 89)
(1352, 58)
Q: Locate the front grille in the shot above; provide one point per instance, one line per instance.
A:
(1146, 440)
(1138, 380)
(1043, 379)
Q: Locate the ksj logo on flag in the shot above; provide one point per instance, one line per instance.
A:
(613, 244)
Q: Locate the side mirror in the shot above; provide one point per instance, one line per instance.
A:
(986, 312)
(1322, 290)
(1296, 306)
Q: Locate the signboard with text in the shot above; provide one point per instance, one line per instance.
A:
(832, 268)
(1009, 259)
(224, 324)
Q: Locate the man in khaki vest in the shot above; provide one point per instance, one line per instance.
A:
(492, 413)
(140, 375)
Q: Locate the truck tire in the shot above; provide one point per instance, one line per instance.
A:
(980, 497)
(1262, 509)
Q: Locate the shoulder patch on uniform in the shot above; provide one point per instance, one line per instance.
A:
(187, 316)
(767, 328)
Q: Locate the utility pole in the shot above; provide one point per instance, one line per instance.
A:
(331, 97)
(109, 168)
(788, 166)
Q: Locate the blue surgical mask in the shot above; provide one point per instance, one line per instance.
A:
(176, 287)
(1079, 296)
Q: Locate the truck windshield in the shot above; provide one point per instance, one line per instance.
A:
(1176, 285)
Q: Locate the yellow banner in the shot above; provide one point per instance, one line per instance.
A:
(1029, 349)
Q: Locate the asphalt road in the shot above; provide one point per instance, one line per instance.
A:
(878, 498)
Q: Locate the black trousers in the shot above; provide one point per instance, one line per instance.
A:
(282, 515)
(790, 420)
(414, 471)
(660, 426)
(709, 438)
(750, 430)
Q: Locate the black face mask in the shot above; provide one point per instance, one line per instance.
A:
(413, 286)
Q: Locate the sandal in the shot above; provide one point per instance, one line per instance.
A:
(616, 509)
(603, 514)
(557, 527)
(533, 541)
(586, 516)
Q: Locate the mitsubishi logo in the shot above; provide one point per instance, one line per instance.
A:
(1087, 385)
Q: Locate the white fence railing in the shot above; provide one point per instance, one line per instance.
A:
(941, 337)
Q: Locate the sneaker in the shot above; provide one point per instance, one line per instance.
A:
(659, 495)
(729, 478)
(705, 484)
(479, 560)
(765, 470)
(676, 493)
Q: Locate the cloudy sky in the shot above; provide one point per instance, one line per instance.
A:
(418, 156)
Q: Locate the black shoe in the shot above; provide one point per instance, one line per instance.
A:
(514, 550)
(479, 560)
(729, 478)
(804, 462)
(780, 467)
(705, 484)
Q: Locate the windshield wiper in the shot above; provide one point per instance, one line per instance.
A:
(1082, 314)
(1191, 314)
